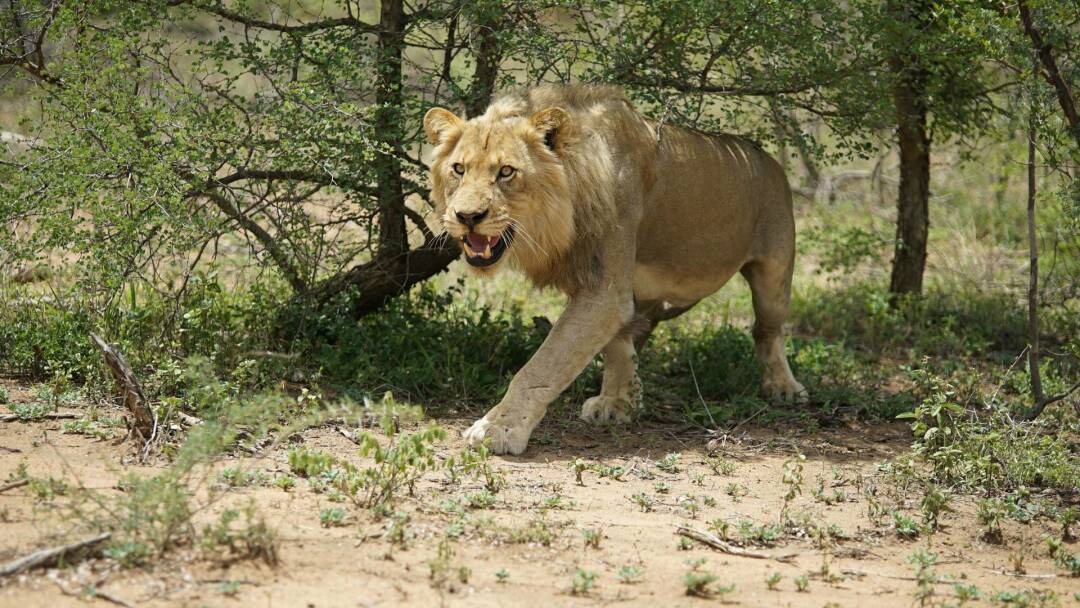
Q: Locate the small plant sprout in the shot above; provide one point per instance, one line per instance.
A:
(966, 593)
(502, 575)
(583, 582)
(669, 463)
(700, 584)
(661, 487)
(689, 503)
(935, 502)
(773, 581)
(592, 537)
(906, 527)
(643, 500)
(685, 544)
(579, 467)
(792, 479)
(991, 514)
(629, 575)
(802, 583)
(332, 517)
(720, 466)
(925, 578)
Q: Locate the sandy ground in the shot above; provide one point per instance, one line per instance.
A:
(356, 565)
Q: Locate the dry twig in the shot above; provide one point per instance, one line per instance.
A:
(46, 557)
(719, 544)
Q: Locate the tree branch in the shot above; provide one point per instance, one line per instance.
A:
(304, 28)
(1051, 72)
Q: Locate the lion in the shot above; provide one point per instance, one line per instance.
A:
(633, 220)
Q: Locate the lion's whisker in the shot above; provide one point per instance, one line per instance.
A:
(533, 244)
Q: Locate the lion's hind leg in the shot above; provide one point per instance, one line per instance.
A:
(770, 285)
(620, 393)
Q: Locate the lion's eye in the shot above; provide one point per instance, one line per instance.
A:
(506, 171)
(459, 168)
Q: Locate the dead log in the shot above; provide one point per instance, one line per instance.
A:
(47, 557)
(143, 422)
(50, 416)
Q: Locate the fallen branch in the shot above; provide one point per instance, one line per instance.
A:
(47, 557)
(1019, 575)
(717, 543)
(14, 484)
(54, 416)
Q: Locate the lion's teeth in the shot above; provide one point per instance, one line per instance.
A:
(487, 251)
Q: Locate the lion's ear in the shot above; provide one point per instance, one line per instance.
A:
(440, 123)
(555, 124)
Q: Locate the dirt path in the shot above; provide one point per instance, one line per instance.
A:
(527, 547)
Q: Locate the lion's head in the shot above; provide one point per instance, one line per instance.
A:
(501, 187)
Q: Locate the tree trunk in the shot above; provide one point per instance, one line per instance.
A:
(913, 197)
(389, 119)
(395, 269)
(1033, 269)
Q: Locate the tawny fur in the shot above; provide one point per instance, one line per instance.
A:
(631, 219)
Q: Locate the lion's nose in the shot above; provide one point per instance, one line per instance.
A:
(471, 219)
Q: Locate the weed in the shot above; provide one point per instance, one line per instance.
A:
(441, 568)
(991, 514)
(669, 463)
(397, 529)
(234, 477)
(332, 517)
(966, 593)
(538, 531)
(480, 500)
(285, 482)
(750, 533)
(661, 487)
(629, 575)
(722, 527)
(612, 472)
(1070, 562)
(935, 502)
(802, 583)
(592, 537)
(736, 491)
(253, 539)
(772, 582)
(684, 544)
(696, 582)
(905, 526)
(228, 588)
(502, 576)
(720, 465)
(924, 576)
(643, 500)
(792, 478)
(556, 502)
(309, 463)
(583, 582)
(579, 467)
(690, 503)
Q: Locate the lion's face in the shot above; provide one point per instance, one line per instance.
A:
(499, 186)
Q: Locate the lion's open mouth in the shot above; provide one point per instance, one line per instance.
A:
(483, 250)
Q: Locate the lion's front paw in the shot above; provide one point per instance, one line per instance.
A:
(504, 437)
(785, 390)
(602, 409)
